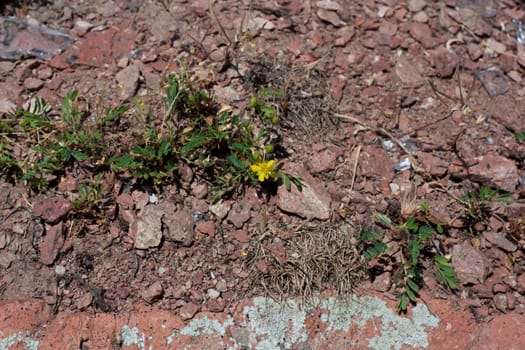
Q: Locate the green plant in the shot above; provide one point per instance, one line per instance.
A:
(75, 137)
(413, 237)
(265, 111)
(219, 146)
(7, 163)
(226, 149)
(89, 195)
(477, 203)
(520, 135)
(183, 100)
(155, 158)
(54, 143)
(35, 118)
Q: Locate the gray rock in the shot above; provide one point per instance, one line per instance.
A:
(199, 190)
(499, 240)
(221, 209)
(330, 17)
(520, 283)
(227, 93)
(213, 293)
(179, 226)
(6, 106)
(147, 228)
(128, 80)
(84, 301)
(152, 293)
(160, 25)
(416, 5)
(497, 171)
(329, 5)
(493, 80)
(311, 201)
(470, 264)
(188, 311)
(500, 302)
(83, 26)
(408, 71)
(51, 243)
(108, 9)
(51, 210)
(325, 160)
(444, 61)
(33, 84)
(382, 282)
(240, 213)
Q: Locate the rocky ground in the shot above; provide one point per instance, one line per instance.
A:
(389, 105)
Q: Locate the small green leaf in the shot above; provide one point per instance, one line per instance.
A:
(79, 155)
(375, 250)
(383, 218)
(411, 225)
(194, 143)
(146, 152)
(270, 92)
(413, 286)
(445, 273)
(237, 163)
(425, 232)
(415, 248)
(366, 235)
(164, 149)
(121, 162)
(239, 147)
(504, 198)
(112, 114)
(402, 303)
(411, 294)
(286, 180)
(297, 181)
(441, 260)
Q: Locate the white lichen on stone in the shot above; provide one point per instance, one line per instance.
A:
(270, 325)
(341, 314)
(276, 325)
(19, 338)
(204, 325)
(396, 331)
(130, 336)
(170, 338)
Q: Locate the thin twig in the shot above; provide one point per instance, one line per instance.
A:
(220, 28)
(354, 171)
(447, 191)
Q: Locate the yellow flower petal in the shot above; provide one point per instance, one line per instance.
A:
(264, 170)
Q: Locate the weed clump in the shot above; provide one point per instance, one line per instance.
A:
(415, 240)
(223, 149)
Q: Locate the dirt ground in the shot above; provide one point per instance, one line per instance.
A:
(387, 104)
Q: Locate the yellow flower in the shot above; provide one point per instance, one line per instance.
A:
(265, 170)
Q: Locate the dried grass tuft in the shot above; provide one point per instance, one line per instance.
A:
(307, 106)
(321, 258)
